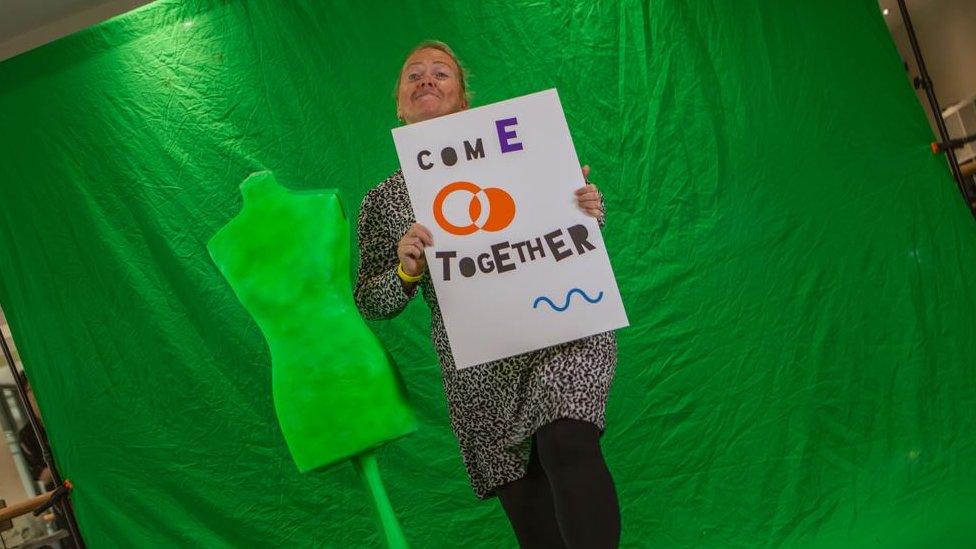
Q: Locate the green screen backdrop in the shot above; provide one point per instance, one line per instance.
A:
(797, 266)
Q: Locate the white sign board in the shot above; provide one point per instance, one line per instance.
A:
(516, 264)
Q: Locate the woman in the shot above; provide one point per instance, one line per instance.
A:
(529, 425)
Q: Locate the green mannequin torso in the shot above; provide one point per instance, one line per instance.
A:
(286, 255)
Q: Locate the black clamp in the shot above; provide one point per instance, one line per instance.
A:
(59, 494)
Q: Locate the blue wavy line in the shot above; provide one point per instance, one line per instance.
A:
(569, 294)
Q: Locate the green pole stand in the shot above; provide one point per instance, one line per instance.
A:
(369, 472)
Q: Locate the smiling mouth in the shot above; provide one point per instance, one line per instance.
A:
(421, 95)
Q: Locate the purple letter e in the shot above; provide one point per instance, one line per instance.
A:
(504, 135)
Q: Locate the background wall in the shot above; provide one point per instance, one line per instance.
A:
(799, 369)
(27, 24)
(946, 32)
(12, 487)
(12, 491)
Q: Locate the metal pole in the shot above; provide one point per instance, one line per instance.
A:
(934, 103)
(64, 505)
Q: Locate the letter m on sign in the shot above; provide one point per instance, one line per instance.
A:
(477, 151)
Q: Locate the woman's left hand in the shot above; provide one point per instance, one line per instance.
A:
(588, 197)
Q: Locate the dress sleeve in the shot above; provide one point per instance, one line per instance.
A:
(379, 292)
(602, 220)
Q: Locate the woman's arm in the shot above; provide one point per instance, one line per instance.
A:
(379, 291)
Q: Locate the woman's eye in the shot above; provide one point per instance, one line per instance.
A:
(442, 75)
(412, 76)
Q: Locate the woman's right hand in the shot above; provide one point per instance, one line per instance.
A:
(410, 249)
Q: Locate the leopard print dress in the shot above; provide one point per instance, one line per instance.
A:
(494, 407)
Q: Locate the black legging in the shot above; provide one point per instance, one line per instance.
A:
(567, 498)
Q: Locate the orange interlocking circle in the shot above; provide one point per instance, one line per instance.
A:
(501, 208)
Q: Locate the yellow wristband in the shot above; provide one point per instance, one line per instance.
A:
(405, 277)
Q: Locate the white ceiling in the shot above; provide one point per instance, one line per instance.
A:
(27, 24)
(20, 16)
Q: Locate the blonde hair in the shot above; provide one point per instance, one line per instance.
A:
(463, 74)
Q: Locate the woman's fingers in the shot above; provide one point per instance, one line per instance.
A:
(589, 188)
(413, 250)
(417, 235)
(588, 198)
(410, 249)
(424, 234)
(419, 231)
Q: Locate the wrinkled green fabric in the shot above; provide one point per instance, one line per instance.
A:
(286, 255)
(796, 265)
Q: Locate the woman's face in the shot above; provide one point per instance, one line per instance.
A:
(429, 87)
